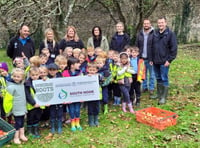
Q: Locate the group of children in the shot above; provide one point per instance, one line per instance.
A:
(120, 76)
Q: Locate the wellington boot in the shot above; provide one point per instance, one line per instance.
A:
(163, 96)
(159, 92)
(77, 124)
(52, 122)
(105, 109)
(36, 131)
(91, 120)
(130, 106)
(96, 120)
(59, 123)
(73, 127)
(124, 107)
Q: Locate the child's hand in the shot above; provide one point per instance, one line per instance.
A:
(47, 105)
(81, 101)
(36, 105)
(68, 102)
(44, 78)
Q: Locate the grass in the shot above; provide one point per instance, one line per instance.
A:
(119, 130)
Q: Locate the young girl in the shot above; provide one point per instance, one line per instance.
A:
(124, 77)
(76, 52)
(68, 52)
(17, 90)
(34, 112)
(73, 65)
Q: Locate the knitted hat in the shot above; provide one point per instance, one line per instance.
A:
(4, 66)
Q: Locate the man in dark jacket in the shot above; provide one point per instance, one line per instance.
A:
(21, 43)
(144, 43)
(120, 39)
(164, 51)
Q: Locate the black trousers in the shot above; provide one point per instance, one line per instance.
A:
(33, 116)
(93, 107)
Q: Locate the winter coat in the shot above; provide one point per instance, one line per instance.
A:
(104, 43)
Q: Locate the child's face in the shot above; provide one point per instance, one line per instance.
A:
(34, 75)
(46, 52)
(100, 64)
(92, 70)
(98, 51)
(90, 53)
(17, 77)
(3, 72)
(43, 60)
(124, 60)
(110, 55)
(128, 51)
(116, 57)
(68, 52)
(81, 58)
(135, 54)
(76, 54)
(77, 66)
(52, 72)
(19, 64)
(62, 65)
(43, 73)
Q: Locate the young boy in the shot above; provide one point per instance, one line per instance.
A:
(93, 106)
(34, 111)
(105, 78)
(91, 56)
(139, 68)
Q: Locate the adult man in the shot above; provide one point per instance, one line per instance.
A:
(120, 39)
(21, 43)
(144, 43)
(164, 51)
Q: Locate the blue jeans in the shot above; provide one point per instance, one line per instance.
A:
(125, 91)
(74, 110)
(161, 73)
(105, 94)
(149, 76)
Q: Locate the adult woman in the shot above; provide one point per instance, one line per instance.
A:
(97, 39)
(50, 43)
(120, 39)
(71, 39)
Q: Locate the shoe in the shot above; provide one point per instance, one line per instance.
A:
(163, 95)
(36, 133)
(52, 126)
(124, 107)
(96, 120)
(105, 109)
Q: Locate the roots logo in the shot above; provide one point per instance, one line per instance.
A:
(62, 94)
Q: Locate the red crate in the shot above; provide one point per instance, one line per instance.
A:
(156, 117)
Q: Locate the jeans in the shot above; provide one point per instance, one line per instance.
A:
(149, 76)
(161, 73)
(56, 112)
(105, 95)
(74, 110)
(125, 91)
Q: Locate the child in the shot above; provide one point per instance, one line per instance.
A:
(68, 52)
(61, 61)
(17, 90)
(34, 112)
(93, 106)
(76, 52)
(73, 65)
(139, 68)
(21, 62)
(56, 111)
(98, 50)
(35, 61)
(114, 86)
(91, 56)
(5, 76)
(127, 49)
(104, 74)
(43, 59)
(47, 53)
(124, 77)
(45, 111)
(83, 62)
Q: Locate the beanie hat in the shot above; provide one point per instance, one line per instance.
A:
(53, 66)
(4, 66)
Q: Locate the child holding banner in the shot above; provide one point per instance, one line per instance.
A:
(72, 70)
(34, 112)
(56, 111)
(93, 106)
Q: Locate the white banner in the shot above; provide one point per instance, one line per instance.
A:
(66, 90)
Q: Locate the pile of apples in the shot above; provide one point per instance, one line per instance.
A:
(2, 133)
